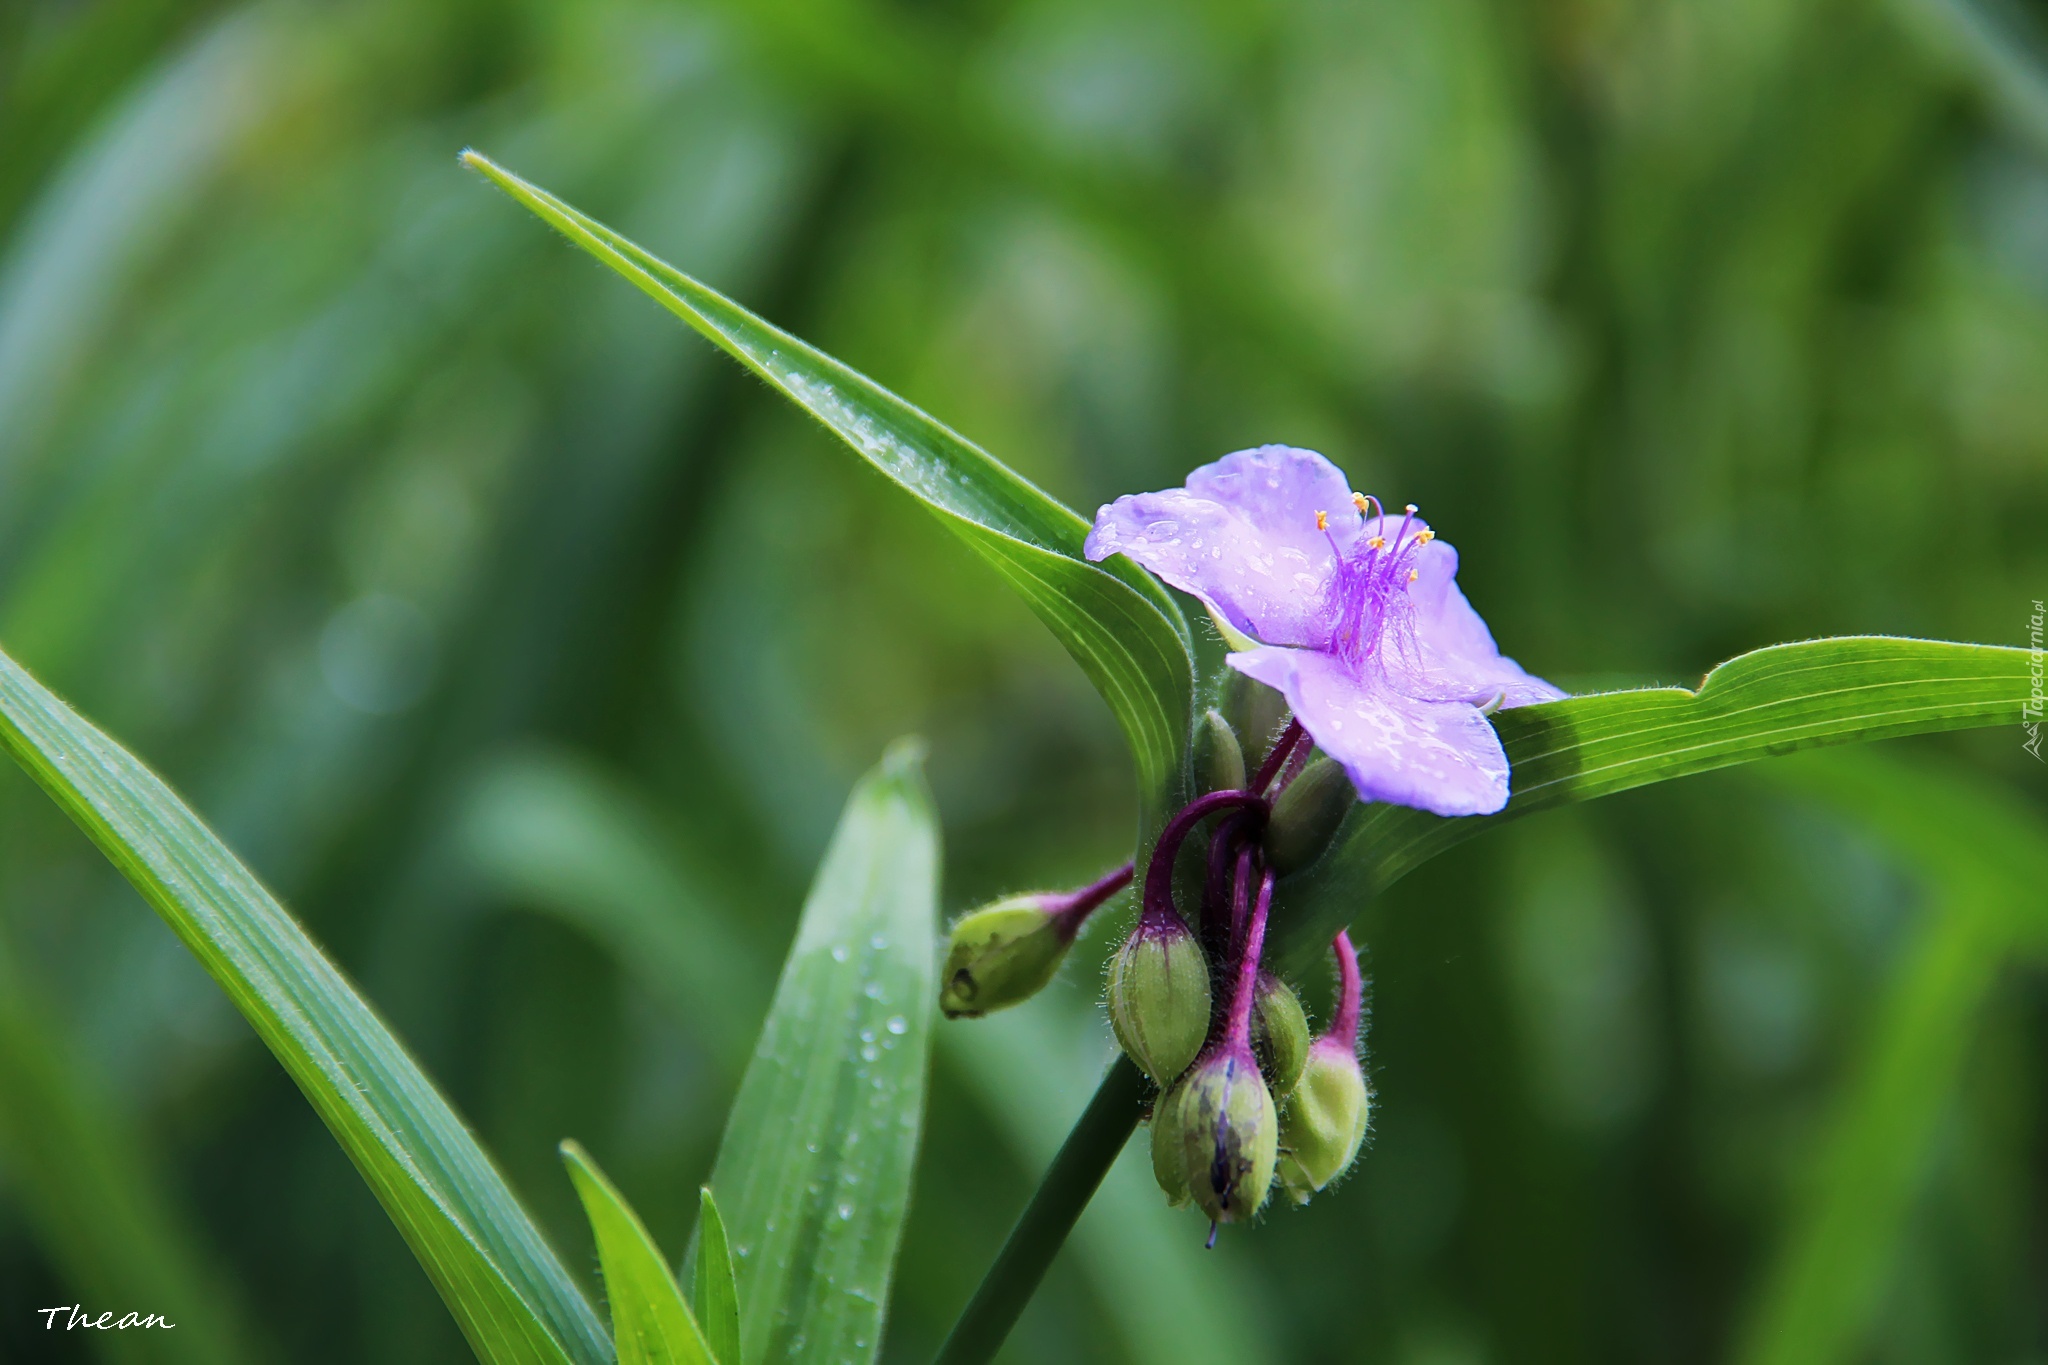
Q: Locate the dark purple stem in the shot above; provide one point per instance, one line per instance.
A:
(1294, 766)
(1350, 992)
(1240, 902)
(1080, 904)
(1240, 1035)
(1282, 748)
(1159, 872)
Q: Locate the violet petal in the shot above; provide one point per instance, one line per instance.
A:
(1242, 537)
(1439, 756)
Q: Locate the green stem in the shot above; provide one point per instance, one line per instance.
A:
(1086, 1156)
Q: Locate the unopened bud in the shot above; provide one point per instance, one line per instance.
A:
(1159, 997)
(1169, 1150)
(1325, 1121)
(1255, 711)
(1229, 1134)
(1000, 955)
(1307, 815)
(1219, 758)
(1280, 1036)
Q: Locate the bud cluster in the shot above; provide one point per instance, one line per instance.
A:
(1247, 1096)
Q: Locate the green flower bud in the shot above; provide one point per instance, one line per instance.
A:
(1159, 997)
(1169, 1154)
(1306, 816)
(1255, 711)
(1325, 1121)
(1229, 1132)
(1280, 1036)
(1000, 955)
(1219, 759)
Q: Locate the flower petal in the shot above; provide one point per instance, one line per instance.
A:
(1450, 655)
(1242, 537)
(1439, 756)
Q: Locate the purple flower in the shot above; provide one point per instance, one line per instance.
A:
(1354, 615)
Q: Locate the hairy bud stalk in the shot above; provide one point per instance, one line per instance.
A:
(1330, 1110)
(1006, 952)
(1223, 1113)
(1159, 996)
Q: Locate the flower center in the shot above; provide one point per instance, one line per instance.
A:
(1368, 595)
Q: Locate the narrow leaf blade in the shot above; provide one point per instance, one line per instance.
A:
(1121, 625)
(718, 1294)
(1768, 702)
(651, 1325)
(511, 1297)
(814, 1171)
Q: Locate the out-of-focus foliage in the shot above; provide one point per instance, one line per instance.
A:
(335, 485)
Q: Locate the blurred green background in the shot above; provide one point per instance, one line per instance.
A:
(528, 648)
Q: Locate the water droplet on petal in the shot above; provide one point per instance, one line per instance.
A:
(897, 1024)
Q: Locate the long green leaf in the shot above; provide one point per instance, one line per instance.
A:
(1768, 702)
(651, 1324)
(492, 1266)
(1122, 627)
(814, 1172)
(717, 1292)
(1984, 857)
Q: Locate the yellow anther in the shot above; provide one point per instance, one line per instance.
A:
(1322, 521)
(1358, 501)
(1423, 537)
(1412, 575)
(1377, 542)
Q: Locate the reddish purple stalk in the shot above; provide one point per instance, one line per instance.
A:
(1159, 872)
(1283, 749)
(1071, 911)
(1350, 996)
(1238, 1036)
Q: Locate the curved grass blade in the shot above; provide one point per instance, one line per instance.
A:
(814, 1171)
(717, 1292)
(511, 1297)
(1766, 703)
(1984, 857)
(1119, 623)
(651, 1325)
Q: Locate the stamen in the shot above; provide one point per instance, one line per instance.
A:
(1377, 542)
(1412, 575)
(1424, 536)
(1322, 521)
(1358, 501)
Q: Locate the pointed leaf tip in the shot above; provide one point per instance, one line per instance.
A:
(651, 1322)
